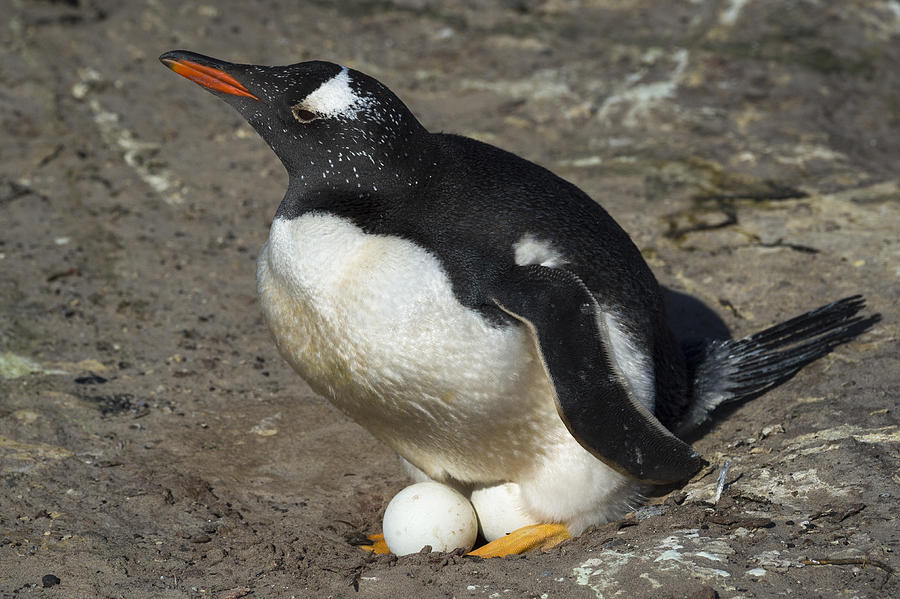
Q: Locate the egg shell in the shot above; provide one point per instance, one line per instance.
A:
(429, 513)
(499, 510)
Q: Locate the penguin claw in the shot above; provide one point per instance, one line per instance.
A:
(525, 539)
(378, 546)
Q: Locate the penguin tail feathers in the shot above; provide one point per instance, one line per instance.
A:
(728, 371)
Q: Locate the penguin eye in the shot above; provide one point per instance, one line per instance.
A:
(303, 115)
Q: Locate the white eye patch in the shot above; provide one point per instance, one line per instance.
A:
(335, 98)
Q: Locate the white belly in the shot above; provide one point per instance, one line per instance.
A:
(371, 322)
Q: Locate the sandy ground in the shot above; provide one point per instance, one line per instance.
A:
(153, 443)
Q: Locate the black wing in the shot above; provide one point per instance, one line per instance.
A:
(593, 398)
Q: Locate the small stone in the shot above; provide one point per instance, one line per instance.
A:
(49, 580)
(705, 593)
(772, 430)
(91, 379)
(648, 511)
(676, 498)
(756, 572)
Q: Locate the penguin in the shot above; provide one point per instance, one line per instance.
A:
(484, 318)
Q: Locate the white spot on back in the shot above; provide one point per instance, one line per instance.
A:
(335, 98)
(531, 250)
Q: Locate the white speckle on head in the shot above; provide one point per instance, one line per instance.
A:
(335, 98)
(531, 250)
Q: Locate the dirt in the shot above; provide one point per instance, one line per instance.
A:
(153, 443)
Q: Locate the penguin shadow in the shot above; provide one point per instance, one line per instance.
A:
(694, 324)
(691, 320)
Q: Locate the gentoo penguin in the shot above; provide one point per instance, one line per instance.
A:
(483, 317)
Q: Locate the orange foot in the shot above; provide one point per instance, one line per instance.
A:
(378, 545)
(525, 539)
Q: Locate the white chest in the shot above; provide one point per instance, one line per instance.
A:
(371, 322)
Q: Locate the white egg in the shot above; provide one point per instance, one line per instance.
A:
(499, 510)
(429, 514)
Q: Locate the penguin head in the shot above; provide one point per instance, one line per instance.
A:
(329, 124)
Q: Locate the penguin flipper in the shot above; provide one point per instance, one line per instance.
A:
(593, 399)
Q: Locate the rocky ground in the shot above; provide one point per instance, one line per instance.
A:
(153, 443)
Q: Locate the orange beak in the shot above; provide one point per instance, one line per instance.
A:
(208, 77)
